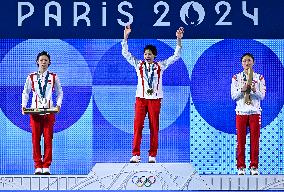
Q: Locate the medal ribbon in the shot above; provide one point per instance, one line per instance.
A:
(42, 89)
(244, 76)
(150, 80)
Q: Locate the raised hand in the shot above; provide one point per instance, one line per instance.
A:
(127, 30)
(180, 32)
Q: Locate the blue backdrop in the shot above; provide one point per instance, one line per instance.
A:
(96, 122)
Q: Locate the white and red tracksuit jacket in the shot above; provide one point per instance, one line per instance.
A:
(238, 82)
(32, 84)
(142, 67)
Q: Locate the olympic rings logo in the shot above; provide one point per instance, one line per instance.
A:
(143, 181)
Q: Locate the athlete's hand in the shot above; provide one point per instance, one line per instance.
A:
(127, 31)
(180, 32)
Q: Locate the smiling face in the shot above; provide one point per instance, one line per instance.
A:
(43, 63)
(149, 56)
(247, 62)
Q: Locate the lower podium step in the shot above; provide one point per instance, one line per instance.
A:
(143, 176)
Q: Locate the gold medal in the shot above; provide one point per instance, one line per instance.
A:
(150, 91)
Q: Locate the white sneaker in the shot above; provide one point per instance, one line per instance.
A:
(38, 171)
(254, 171)
(135, 159)
(241, 171)
(152, 159)
(45, 171)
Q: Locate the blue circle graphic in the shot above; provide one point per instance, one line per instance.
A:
(212, 75)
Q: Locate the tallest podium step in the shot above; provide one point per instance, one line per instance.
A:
(143, 176)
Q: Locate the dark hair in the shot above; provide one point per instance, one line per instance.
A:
(152, 48)
(41, 54)
(248, 54)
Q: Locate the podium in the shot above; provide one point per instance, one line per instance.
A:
(143, 176)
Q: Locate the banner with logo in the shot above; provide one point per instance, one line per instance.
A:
(152, 18)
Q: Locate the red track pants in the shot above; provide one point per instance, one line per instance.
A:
(42, 124)
(142, 106)
(253, 122)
